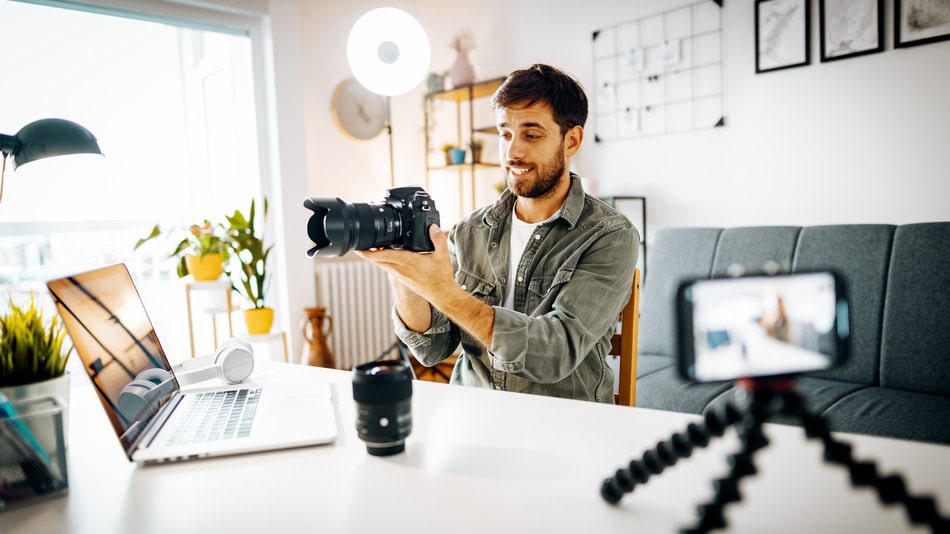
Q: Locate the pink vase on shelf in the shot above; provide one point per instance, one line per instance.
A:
(462, 71)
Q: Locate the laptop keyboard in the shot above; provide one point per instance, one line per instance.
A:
(217, 415)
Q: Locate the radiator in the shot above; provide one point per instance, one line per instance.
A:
(358, 299)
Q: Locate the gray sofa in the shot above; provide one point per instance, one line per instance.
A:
(897, 380)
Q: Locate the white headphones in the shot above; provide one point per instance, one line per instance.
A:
(144, 393)
(233, 362)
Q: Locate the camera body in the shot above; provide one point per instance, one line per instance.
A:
(417, 211)
(400, 221)
(761, 325)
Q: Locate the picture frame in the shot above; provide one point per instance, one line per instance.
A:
(918, 22)
(782, 34)
(851, 28)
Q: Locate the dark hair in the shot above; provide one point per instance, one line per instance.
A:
(547, 84)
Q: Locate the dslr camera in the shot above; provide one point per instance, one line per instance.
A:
(400, 221)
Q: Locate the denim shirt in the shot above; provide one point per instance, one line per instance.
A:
(572, 282)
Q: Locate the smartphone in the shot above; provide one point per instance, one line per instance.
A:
(761, 325)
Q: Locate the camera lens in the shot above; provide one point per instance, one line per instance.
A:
(401, 220)
(383, 395)
(337, 227)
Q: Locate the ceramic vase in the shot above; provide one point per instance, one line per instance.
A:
(316, 327)
(462, 72)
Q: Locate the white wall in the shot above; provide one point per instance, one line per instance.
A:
(857, 140)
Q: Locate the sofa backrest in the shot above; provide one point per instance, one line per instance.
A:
(677, 254)
(915, 345)
(861, 253)
(898, 280)
(751, 248)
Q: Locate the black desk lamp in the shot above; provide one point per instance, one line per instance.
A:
(44, 138)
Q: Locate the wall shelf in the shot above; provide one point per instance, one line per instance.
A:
(464, 98)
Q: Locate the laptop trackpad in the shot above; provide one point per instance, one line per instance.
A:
(307, 414)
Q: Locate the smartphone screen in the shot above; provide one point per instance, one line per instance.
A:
(758, 326)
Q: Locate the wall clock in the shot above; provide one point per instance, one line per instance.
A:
(358, 112)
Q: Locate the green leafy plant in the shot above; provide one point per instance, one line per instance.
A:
(29, 350)
(448, 146)
(476, 144)
(195, 240)
(248, 248)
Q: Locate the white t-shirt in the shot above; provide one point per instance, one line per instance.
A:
(521, 233)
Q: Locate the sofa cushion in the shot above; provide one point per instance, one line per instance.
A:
(819, 394)
(861, 253)
(893, 413)
(648, 364)
(915, 350)
(753, 247)
(665, 390)
(677, 254)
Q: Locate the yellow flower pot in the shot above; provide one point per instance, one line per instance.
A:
(205, 268)
(259, 320)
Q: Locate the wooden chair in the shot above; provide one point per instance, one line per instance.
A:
(624, 345)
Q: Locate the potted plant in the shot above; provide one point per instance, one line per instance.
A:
(32, 356)
(201, 250)
(447, 149)
(476, 147)
(249, 278)
(454, 155)
(33, 374)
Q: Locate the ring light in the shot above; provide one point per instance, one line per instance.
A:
(388, 51)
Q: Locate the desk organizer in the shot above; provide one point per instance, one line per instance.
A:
(32, 451)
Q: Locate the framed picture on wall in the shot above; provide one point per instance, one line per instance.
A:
(782, 34)
(851, 28)
(918, 22)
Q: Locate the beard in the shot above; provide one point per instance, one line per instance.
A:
(549, 174)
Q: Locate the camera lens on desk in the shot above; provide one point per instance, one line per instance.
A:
(383, 394)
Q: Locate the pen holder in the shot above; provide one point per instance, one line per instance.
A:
(32, 451)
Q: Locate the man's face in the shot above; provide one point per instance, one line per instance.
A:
(530, 149)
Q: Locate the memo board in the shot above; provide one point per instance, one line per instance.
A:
(659, 74)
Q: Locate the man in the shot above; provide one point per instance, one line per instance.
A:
(532, 285)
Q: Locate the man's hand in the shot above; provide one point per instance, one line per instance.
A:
(431, 277)
(425, 274)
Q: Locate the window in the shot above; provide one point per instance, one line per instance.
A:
(173, 108)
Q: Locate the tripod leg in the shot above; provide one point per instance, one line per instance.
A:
(890, 489)
(666, 453)
(741, 464)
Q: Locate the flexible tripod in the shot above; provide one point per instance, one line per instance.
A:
(767, 398)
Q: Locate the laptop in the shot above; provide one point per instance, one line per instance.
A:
(153, 418)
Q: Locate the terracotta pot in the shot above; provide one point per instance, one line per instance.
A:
(259, 320)
(205, 268)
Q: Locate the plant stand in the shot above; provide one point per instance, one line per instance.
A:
(217, 286)
(269, 339)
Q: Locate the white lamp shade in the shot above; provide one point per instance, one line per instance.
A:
(388, 51)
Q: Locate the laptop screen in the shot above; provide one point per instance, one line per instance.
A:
(113, 336)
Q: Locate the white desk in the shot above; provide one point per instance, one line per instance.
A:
(477, 462)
